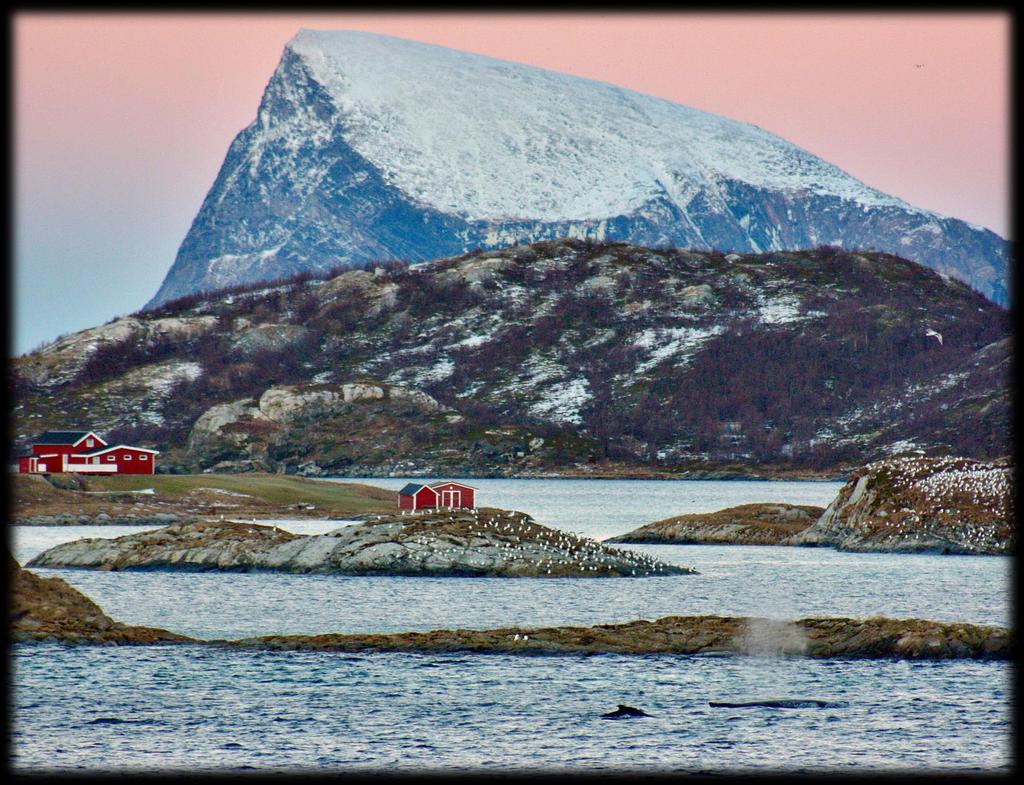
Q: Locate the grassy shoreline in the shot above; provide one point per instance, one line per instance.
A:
(196, 495)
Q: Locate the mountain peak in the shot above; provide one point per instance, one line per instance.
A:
(490, 139)
(370, 147)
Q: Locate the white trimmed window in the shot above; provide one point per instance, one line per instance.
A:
(88, 442)
(127, 457)
(143, 457)
(110, 457)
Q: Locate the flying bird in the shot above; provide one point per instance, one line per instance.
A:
(934, 334)
(918, 65)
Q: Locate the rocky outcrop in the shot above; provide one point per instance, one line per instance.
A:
(209, 434)
(484, 542)
(286, 403)
(933, 505)
(269, 337)
(48, 609)
(257, 427)
(819, 638)
(417, 398)
(102, 519)
(747, 524)
(59, 361)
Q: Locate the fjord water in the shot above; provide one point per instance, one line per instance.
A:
(605, 508)
(193, 708)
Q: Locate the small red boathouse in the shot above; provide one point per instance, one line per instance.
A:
(447, 494)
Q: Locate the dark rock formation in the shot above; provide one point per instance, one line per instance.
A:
(874, 638)
(747, 524)
(50, 609)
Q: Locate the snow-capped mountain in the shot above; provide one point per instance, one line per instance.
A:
(369, 147)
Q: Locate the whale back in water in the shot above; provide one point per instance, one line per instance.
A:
(784, 703)
(623, 712)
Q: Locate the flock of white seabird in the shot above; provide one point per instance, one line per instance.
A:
(942, 488)
(558, 550)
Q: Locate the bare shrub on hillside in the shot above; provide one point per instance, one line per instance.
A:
(113, 359)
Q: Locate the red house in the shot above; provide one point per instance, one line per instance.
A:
(447, 494)
(84, 452)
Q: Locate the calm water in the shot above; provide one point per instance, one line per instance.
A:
(188, 708)
(605, 508)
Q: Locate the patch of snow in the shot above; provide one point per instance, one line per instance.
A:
(902, 445)
(472, 341)
(681, 343)
(782, 310)
(440, 370)
(162, 377)
(561, 402)
(537, 370)
(223, 492)
(470, 391)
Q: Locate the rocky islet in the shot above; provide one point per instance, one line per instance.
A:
(50, 610)
(746, 524)
(483, 542)
(905, 504)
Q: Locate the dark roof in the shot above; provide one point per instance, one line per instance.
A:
(412, 488)
(60, 437)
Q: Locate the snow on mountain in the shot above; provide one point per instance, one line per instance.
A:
(371, 147)
(582, 149)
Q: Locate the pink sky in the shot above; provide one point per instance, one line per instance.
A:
(122, 121)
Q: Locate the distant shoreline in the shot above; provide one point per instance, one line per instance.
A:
(712, 476)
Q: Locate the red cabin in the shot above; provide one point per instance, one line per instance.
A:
(84, 452)
(447, 494)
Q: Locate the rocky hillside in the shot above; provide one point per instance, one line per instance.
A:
(484, 542)
(747, 524)
(557, 356)
(944, 505)
(367, 147)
